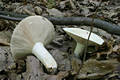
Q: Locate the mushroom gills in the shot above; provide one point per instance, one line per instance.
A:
(30, 36)
(81, 36)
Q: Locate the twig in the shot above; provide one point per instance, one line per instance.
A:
(91, 28)
(109, 27)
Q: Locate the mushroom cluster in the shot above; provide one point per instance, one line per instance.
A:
(33, 33)
(30, 37)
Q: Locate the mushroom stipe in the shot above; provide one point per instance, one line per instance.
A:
(30, 36)
(80, 36)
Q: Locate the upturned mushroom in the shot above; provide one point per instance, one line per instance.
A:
(80, 36)
(30, 36)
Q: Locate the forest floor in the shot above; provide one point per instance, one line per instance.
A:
(102, 62)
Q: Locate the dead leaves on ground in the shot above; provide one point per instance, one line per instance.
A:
(93, 69)
(68, 66)
(5, 37)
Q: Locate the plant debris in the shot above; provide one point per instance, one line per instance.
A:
(93, 69)
(102, 62)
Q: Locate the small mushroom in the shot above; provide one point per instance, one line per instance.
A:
(80, 36)
(30, 36)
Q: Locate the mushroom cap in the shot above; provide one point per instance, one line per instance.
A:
(29, 31)
(81, 36)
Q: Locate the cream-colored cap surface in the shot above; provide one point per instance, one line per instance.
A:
(29, 31)
(81, 36)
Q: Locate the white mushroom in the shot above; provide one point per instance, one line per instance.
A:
(30, 36)
(80, 36)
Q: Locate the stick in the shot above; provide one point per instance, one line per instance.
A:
(109, 27)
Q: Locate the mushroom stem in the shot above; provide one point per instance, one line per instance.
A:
(79, 49)
(44, 56)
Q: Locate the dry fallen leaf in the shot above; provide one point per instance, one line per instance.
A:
(5, 37)
(55, 12)
(105, 49)
(93, 69)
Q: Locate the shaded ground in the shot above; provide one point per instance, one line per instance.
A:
(102, 61)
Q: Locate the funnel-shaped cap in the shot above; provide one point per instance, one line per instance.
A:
(29, 31)
(81, 35)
